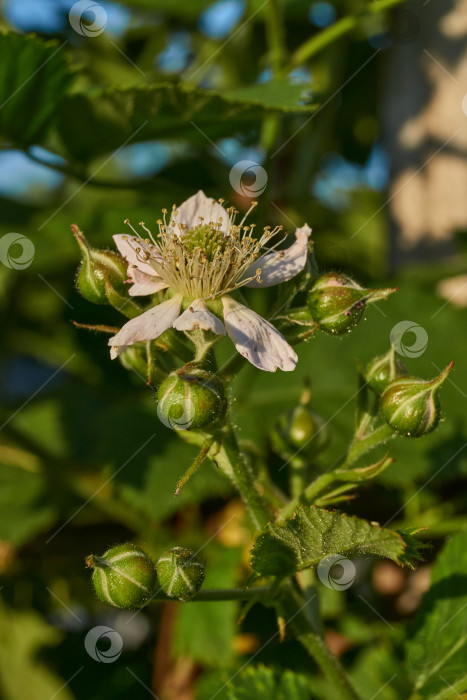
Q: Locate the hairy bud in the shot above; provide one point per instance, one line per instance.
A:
(180, 573)
(411, 405)
(382, 370)
(337, 302)
(124, 576)
(102, 272)
(191, 399)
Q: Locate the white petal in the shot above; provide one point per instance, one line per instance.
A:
(281, 265)
(127, 246)
(149, 325)
(144, 284)
(117, 350)
(256, 339)
(198, 205)
(197, 316)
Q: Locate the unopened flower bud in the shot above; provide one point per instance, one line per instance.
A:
(300, 430)
(411, 405)
(191, 399)
(337, 302)
(382, 370)
(134, 357)
(124, 576)
(101, 271)
(180, 573)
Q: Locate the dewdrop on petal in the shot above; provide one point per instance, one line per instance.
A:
(124, 576)
(190, 399)
(411, 405)
(337, 302)
(180, 573)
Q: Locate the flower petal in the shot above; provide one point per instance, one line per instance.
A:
(281, 265)
(256, 339)
(127, 246)
(198, 205)
(144, 284)
(197, 316)
(149, 325)
(117, 350)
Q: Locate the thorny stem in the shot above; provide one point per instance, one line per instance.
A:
(290, 605)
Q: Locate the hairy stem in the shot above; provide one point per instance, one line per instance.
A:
(292, 607)
(232, 463)
(359, 446)
(218, 594)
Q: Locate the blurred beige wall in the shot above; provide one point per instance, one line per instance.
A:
(425, 128)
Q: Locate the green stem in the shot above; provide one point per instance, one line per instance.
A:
(356, 450)
(220, 594)
(309, 495)
(275, 36)
(316, 647)
(294, 611)
(358, 447)
(230, 460)
(292, 608)
(335, 31)
(277, 54)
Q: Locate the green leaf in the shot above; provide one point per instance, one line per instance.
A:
(91, 126)
(377, 673)
(280, 94)
(25, 509)
(22, 673)
(436, 654)
(34, 77)
(255, 682)
(314, 533)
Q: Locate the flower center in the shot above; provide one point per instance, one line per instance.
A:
(205, 238)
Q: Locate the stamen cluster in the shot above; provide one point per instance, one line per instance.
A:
(205, 260)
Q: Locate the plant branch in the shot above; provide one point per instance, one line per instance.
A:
(335, 31)
(217, 594)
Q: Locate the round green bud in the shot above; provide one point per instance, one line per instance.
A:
(411, 405)
(301, 429)
(191, 399)
(382, 370)
(99, 271)
(337, 302)
(180, 573)
(124, 576)
(135, 357)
